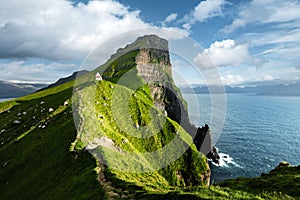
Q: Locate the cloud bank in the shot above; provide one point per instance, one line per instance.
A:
(204, 10)
(38, 38)
(263, 12)
(223, 53)
(58, 30)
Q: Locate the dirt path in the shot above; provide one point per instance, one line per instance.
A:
(112, 191)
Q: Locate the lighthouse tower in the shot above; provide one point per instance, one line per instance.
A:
(98, 77)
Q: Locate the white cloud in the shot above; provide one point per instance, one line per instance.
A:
(259, 62)
(273, 31)
(204, 10)
(279, 37)
(287, 74)
(223, 53)
(268, 11)
(57, 30)
(232, 79)
(21, 71)
(268, 77)
(170, 18)
(280, 47)
(207, 9)
(186, 26)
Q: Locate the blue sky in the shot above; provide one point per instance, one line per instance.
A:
(249, 42)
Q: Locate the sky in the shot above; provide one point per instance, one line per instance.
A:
(249, 42)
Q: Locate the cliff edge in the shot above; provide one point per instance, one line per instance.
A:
(152, 62)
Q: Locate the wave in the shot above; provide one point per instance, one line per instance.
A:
(226, 161)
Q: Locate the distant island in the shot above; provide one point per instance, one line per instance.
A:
(278, 89)
(12, 90)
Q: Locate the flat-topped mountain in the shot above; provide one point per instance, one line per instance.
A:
(148, 58)
(143, 42)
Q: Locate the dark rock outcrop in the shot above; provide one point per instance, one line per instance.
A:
(204, 144)
(202, 136)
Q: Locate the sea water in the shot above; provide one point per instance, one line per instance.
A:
(259, 132)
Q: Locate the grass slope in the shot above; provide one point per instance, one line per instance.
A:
(110, 120)
(35, 160)
(39, 164)
(284, 178)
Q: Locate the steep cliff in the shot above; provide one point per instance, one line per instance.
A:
(149, 56)
(138, 125)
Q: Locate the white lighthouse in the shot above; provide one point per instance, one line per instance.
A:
(98, 77)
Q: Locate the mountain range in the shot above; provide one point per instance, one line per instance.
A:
(276, 89)
(12, 90)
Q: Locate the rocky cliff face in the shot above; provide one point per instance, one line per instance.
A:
(154, 66)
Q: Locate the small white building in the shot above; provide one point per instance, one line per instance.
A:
(98, 77)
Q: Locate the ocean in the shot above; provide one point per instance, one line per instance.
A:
(259, 132)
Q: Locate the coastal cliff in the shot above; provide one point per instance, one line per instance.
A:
(140, 76)
(152, 61)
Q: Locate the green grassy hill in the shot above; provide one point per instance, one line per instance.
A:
(36, 162)
(284, 178)
(103, 148)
